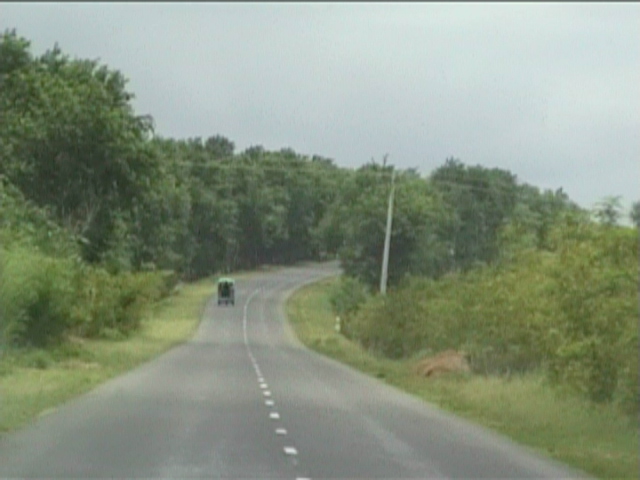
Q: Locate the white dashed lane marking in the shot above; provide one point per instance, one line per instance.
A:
(288, 450)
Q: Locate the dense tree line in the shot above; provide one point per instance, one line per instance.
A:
(100, 216)
(72, 145)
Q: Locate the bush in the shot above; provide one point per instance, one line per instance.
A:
(170, 280)
(346, 298)
(596, 278)
(494, 315)
(571, 312)
(43, 298)
(627, 393)
(36, 296)
(347, 295)
(23, 224)
(111, 303)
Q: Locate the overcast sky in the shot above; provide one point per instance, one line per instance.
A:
(548, 91)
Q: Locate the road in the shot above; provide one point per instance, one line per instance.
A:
(243, 399)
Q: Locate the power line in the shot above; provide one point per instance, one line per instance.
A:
(258, 167)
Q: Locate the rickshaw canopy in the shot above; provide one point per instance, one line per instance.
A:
(226, 291)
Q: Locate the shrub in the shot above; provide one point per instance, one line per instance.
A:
(346, 298)
(36, 296)
(347, 295)
(112, 303)
(23, 224)
(627, 393)
(170, 280)
(596, 278)
(571, 311)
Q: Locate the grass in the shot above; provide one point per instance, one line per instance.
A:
(33, 383)
(596, 439)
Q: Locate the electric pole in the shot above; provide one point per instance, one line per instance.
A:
(387, 239)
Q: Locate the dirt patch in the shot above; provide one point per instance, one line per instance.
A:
(449, 361)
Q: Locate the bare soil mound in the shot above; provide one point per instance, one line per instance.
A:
(449, 361)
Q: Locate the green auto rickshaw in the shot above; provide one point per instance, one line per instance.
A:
(226, 291)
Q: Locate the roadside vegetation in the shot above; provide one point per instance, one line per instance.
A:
(101, 220)
(597, 438)
(569, 311)
(36, 380)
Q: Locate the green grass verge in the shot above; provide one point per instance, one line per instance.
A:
(33, 383)
(596, 439)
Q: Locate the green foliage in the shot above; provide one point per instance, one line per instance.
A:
(532, 218)
(159, 233)
(168, 282)
(596, 277)
(219, 147)
(98, 221)
(482, 199)
(346, 297)
(627, 392)
(82, 179)
(418, 236)
(14, 53)
(42, 299)
(73, 144)
(634, 215)
(459, 218)
(570, 311)
(113, 306)
(22, 224)
(608, 211)
(524, 407)
(36, 296)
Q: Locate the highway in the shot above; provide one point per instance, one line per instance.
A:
(243, 399)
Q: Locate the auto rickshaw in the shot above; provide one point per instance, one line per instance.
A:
(226, 291)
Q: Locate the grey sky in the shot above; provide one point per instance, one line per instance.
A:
(548, 91)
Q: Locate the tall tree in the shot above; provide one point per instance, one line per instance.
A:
(482, 199)
(420, 221)
(76, 145)
(608, 211)
(219, 146)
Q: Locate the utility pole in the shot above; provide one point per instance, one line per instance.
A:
(387, 239)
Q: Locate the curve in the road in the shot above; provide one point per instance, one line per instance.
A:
(243, 399)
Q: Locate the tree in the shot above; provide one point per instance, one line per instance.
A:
(420, 221)
(532, 219)
(75, 144)
(254, 151)
(635, 214)
(482, 199)
(219, 147)
(14, 53)
(24, 224)
(608, 211)
(160, 215)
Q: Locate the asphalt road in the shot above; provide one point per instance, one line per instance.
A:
(243, 399)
